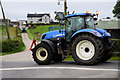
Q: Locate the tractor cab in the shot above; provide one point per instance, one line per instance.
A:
(78, 21)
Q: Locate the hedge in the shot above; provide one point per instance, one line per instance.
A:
(117, 45)
(15, 45)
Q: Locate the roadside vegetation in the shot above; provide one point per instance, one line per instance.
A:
(12, 45)
(113, 58)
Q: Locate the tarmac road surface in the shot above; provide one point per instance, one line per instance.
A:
(21, 65)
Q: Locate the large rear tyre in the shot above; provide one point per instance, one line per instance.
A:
(108, 51)
(42, 54)
(87, 49)
(108, 55)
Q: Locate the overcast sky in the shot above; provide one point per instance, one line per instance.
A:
(18, 9)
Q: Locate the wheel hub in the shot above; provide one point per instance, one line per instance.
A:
(43, 53)
(87, 49)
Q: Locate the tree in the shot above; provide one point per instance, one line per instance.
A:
(116, 10)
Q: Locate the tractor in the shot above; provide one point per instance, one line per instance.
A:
(79, 38)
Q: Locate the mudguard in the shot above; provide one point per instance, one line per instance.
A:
(103, 32)
(92, 31)
(51, 44)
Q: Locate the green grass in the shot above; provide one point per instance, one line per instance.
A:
(69, 58)
(30, 34)
(113, 58)
(38, 29)
(11, 30)
(2, 30)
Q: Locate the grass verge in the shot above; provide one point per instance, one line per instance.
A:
(113, 58)
(37, 30)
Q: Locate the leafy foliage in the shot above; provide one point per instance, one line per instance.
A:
(117, 46)
(15, 45)
(116, 10)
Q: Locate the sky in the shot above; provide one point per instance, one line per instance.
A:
(18, 9)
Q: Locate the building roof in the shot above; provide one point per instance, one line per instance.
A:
(37, 15)
(2, 20)
(77, 14)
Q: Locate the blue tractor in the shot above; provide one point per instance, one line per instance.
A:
(79, 38)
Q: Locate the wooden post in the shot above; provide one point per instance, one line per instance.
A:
(65, 7)
(8, 35)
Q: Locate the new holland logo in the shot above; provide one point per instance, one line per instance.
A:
(58, 35)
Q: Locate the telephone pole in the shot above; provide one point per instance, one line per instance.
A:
(65, 6)
(6, 25)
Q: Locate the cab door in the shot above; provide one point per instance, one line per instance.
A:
(73, 24)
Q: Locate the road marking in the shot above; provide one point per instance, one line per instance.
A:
(71, 68)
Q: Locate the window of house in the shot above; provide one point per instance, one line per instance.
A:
(40, 19)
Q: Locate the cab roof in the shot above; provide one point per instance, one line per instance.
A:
(78, 14)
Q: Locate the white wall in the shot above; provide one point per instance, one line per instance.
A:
(45, 19)
(109, 24)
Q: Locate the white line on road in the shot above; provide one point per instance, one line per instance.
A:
(71, 68)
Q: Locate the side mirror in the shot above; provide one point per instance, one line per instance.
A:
(95, 19)
(59, 16)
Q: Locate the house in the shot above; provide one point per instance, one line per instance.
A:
(2, 22)
(38, 18)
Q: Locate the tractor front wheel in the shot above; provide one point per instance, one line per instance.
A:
(42, 54)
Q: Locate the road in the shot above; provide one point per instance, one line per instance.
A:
(21, 65)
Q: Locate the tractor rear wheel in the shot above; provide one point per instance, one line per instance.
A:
(108, 51)
(42, 54)
(108, 55)
(87, 49)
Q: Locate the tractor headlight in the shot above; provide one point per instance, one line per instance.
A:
(97, 34)
(43, 36)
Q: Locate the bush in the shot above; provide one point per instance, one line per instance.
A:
(117, 45)
(15, 45)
